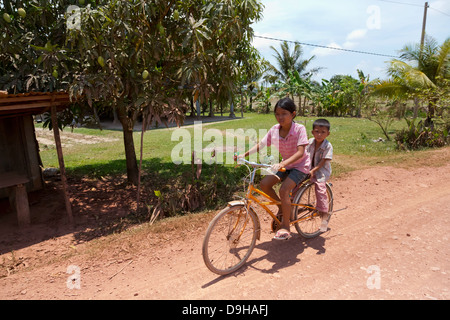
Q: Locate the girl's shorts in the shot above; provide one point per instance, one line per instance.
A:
(294, 174)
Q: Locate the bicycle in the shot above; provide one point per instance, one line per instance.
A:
(231, 235)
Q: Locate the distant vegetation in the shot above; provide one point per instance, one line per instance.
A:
(162, 61)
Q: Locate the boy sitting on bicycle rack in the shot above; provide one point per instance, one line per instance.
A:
(321, 154)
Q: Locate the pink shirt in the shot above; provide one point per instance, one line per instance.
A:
(288, 145)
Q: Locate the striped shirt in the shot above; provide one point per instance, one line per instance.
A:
(287, 146)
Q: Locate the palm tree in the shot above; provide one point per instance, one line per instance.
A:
(291, 71)
(431, 59)
(288, 61)
(425, 67)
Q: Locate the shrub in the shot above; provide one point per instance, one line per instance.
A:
(421, 135)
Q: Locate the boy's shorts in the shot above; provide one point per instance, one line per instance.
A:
(295, 175)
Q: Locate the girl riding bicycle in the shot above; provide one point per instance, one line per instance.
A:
(291, 139)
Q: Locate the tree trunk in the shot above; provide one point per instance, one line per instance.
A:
(191, 100)
(242, 105)
(62, 167)
(130, 153)
(232, 115)
(116, 119)
(360, 103)
(199, 109)
(431, 112)
(211, 109)
(300, 108)
(97, 118)
(416, 108)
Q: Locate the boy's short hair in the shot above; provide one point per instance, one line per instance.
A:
(322, 123)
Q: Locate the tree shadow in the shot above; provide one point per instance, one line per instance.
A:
(103, 202)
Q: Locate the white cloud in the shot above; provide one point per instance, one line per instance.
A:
(350, 43)
(357, 34)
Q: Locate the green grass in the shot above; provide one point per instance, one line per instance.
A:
(352, 139)
(349, 136)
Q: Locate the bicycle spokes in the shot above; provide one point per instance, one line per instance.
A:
(238, 228)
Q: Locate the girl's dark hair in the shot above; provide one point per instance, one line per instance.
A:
(322, 123)
(286, 104)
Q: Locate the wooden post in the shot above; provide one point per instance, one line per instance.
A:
(424, 24)
(18, 196)
(62, 167)
(144, 127)
(22, 206)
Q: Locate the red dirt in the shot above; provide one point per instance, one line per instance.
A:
(394, 230)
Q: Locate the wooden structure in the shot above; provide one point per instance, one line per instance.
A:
(20, 163)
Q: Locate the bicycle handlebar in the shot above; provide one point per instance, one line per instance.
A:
(257, 165)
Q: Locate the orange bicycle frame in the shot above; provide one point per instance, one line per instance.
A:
(251, 198)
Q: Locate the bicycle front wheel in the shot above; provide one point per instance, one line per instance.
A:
(230, 239)
(309, 218)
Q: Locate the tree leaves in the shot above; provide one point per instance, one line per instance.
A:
(190, 48)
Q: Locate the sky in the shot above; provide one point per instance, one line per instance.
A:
(377, 26)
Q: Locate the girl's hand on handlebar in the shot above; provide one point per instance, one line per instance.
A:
(278, 167)
(238, 156)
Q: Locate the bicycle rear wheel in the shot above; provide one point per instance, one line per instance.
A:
(310, 219)
(230, 239)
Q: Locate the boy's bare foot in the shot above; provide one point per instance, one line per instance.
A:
(324, 225)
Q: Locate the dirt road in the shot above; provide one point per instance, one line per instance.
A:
(390, 243)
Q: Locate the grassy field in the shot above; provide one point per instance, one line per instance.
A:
(350, 137)
(355, 141)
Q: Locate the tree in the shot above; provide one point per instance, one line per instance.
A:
(251, 80)
(265, 96)
(423, 77)
(32, 53)
(289, 60)
(291, 72)
(433, 61)
(251, 70)
(128, 56)
(297, 86)
(179, 46)
(421, 68)
(226, 55)
(139, 57)
(362, 94)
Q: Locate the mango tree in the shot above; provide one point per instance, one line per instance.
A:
(218, 40)
(32, 54)
(140, 57)
(144, 55)
(129, 56)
